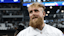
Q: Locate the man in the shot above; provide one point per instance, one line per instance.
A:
(37, 27)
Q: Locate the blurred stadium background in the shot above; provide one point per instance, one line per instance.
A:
(14, 16)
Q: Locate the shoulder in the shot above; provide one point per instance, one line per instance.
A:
(54, 30)
(23, 32)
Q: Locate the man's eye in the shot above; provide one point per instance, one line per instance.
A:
(36, 10)
(30, 12)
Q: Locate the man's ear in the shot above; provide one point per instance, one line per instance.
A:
(44, 13)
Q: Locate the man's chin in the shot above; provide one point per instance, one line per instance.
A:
(36, 23)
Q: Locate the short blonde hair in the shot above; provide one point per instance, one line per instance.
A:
(37, 4)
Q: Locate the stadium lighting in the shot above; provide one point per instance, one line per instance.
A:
(15, 0)
(48, 12)
(2, 0)
(39, 0)
(50, 7)
(62, 11)
(63, 3)
(28, 5)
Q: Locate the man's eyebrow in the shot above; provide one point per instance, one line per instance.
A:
(30, 10)
(35, 9)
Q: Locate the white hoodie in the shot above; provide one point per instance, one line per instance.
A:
(46, 31)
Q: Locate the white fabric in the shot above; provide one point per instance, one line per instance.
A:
(46, 31)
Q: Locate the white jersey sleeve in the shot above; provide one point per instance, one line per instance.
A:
(23, 32)
(60, 34)
(20, 34)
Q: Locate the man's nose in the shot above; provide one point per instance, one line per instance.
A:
(33, 13)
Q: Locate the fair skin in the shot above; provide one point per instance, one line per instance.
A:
(38, 11)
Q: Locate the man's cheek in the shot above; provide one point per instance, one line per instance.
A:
(30, 18)
(30, 15)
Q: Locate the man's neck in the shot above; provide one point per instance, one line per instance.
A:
(40, 28)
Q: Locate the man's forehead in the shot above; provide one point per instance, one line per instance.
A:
(32, 8)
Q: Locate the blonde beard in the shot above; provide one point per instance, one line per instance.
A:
(37, 23)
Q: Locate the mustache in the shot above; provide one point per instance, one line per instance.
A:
(34, 17)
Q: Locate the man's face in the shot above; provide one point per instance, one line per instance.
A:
(36, 14)
(35, 11)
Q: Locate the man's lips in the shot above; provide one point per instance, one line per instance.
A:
(34, 18)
